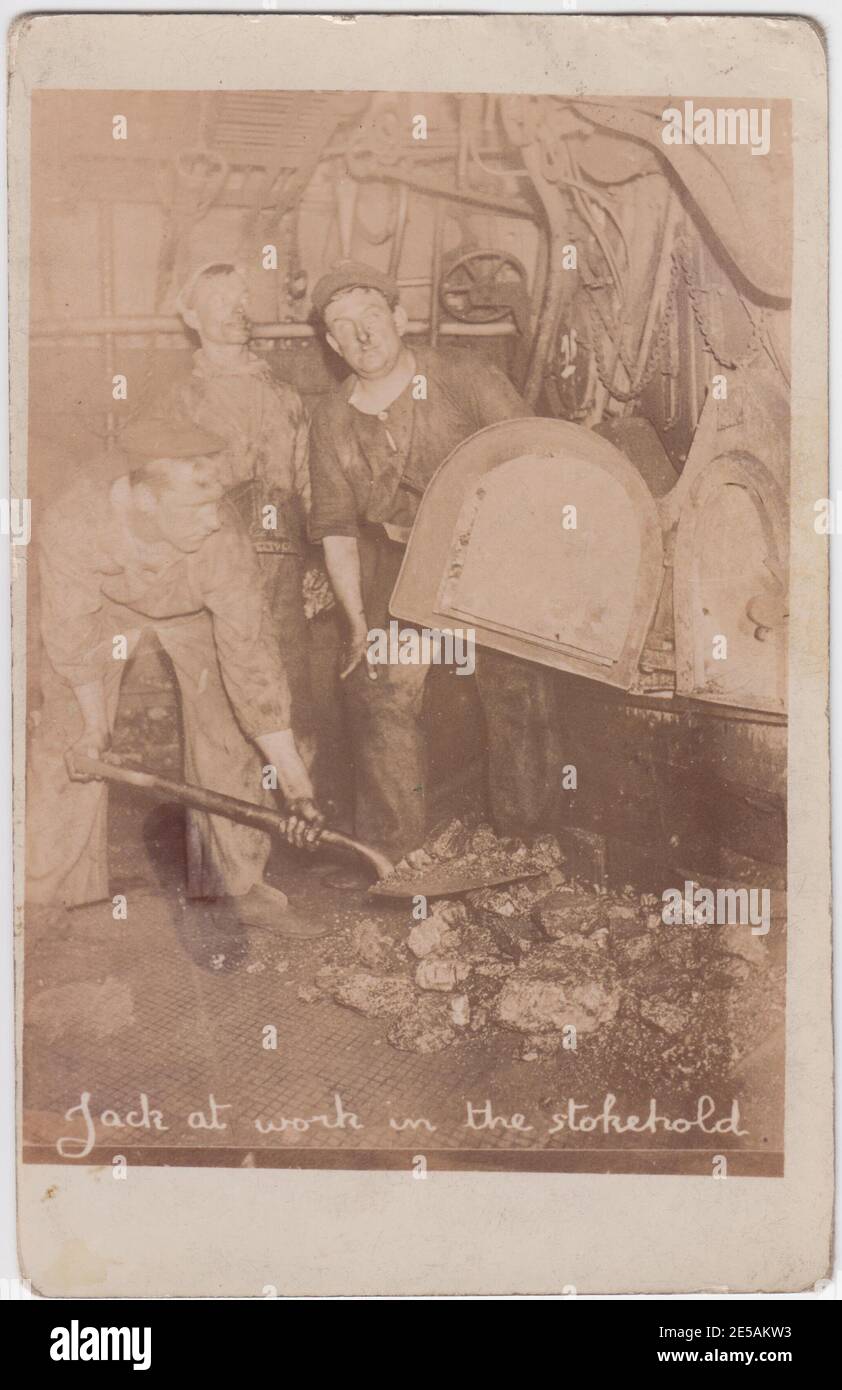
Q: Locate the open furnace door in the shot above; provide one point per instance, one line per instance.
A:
(731, 585)
(731, 560)
(543, 538)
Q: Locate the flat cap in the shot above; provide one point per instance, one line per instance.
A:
(352, 275)
(155, 438)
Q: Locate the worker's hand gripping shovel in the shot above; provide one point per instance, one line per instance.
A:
(303, 828)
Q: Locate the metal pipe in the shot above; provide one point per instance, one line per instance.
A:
(145, 324)
(400, 231)
(550, 311)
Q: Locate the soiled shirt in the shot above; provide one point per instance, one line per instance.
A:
(265, 425)
(375, 468)
(96, 572)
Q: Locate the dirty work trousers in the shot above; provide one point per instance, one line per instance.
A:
(66, 821)
(390, 758)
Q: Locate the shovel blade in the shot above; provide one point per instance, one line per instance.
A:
(441, 882)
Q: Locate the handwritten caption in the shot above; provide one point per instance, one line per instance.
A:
(574, 1117)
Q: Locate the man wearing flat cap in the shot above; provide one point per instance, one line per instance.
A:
(375, 444)
(233, 393)
(159, 549)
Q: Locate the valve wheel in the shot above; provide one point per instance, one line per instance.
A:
(479, 286)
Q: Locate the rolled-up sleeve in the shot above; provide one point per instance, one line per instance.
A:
(334, 506)
(251, 665)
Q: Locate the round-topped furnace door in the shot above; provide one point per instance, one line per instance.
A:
(542, 539)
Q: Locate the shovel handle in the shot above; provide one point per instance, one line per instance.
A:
(217, 804)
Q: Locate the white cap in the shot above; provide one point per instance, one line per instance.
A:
(184, 298)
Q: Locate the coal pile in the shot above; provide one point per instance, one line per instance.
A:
(595, 981)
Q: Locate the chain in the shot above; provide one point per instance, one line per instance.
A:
(600, 330)
(696, 295)
(655, 354)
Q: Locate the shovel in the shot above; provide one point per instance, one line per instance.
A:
(439, 881)
(436, 881)
(217, 804)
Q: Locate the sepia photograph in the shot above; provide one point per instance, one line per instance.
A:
(408, 635)
(403, 659)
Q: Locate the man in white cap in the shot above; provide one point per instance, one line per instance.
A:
(159, 549)
(232, 392)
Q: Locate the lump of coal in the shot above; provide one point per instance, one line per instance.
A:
(726, 970)
(453, 912)
(372, 946)
(460, 1010)
(329, 976)
(496, 900)
(521, 896)
(377, 996)
(565, 912)
(738, 941)
(424, 1026)
(441, 974)
(481, 944)
(581, 957)
(433, 934)
(633, 951)
(310, 994)
(483, 841)
(494, 969)
(685, 947)
(539, 1047)
(542, 1004)
(623, 919)
(485, 991)
(450, 842)
(526, 893)
(546, 851)
(667, 1012)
